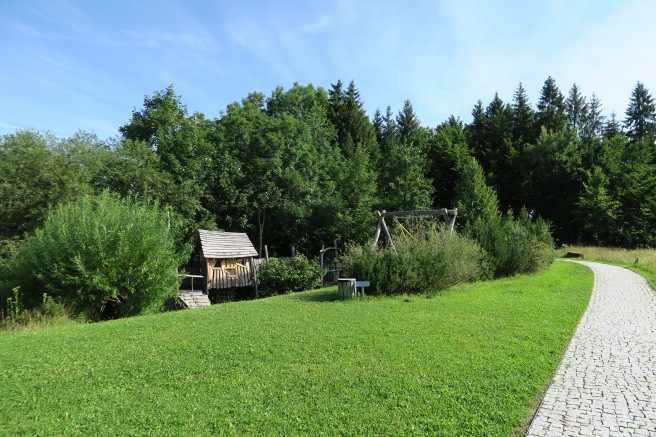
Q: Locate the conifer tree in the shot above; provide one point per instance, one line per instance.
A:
(447, 150)
(523, 119)
(408, 125)
(551, 108)
(640, 115)
(577, 109)
(612, 126)
(593, 122)
(597, 210)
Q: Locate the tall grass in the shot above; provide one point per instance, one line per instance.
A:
(642, 261)
(19, 318)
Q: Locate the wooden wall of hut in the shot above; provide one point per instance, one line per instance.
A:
(230, 273)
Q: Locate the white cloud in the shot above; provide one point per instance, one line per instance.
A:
(156, 39)
(321, 24)
(262, 41)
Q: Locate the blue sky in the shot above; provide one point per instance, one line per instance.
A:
(68, 65)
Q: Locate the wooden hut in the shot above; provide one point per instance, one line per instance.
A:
(228, 260)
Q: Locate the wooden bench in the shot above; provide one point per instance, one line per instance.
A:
(574, 255)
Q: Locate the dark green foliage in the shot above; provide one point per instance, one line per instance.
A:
(511, 246)
(640, 119)
(552, 179)
(94, 254)
(593, 122)
(305, 166)
(530, 246)
(447, 150)
(425, 261)
(523, 119)
(354, 130)
(285, 275)
(181, 166)
(612, 127)
(493, 144)
(280, 176)
(38, 171)
(551, 113)
(403, 180)
(576, 109)
(473, 197)
(597, 210)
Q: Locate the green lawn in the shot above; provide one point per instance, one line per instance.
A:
(472, 361)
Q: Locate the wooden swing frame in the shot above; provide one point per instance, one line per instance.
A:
(449, 214)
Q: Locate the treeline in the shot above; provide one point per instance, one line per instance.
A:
(305, 166)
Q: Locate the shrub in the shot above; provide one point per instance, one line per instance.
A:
(98, 253)
(285, 275)
(513, 246)
(424, 261)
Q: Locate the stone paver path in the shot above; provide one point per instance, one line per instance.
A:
(606, 383)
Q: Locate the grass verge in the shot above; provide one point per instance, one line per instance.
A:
(472, 361)
(645, 265)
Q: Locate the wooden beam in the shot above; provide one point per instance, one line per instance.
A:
(440, 212)
(449, 214)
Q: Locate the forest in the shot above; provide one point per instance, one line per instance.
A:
(305, 166)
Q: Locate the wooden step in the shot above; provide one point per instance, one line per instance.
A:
(194, 299)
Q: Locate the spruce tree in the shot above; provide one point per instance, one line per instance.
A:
(596, 209)
(408, 125)
(577, 109)
(612, 126)
(378, 123)
(447, 150)
(593, 122)
(551, 108)
(640, 115)
(523, 119)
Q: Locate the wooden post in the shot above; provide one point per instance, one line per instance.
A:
(266, 252)
(321, 265)
(387, 232)
(257, 293)
(336, 260)
(293, 251)
(452, 219)
(260, 221)
(377, 236)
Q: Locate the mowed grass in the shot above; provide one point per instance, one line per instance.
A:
(646, 265)
(472, 361)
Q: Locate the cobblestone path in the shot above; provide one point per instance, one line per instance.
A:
(606, 383)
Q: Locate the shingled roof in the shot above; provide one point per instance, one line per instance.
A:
(221, 245)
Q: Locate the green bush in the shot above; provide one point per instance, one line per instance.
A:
(513, 246)
(100, 254)
(425, 261)
(285, 275)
